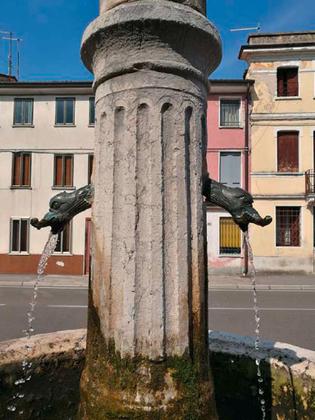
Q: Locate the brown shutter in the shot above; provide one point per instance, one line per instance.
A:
(26, 177)
(90, 168)
(24, 236)
(292, 82)
(66, 238)
(15, 235)
(280, 81)
(16, 169)
(58, 171)
(68, 171)
(288, 151)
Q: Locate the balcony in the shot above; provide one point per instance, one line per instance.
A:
(310, 183)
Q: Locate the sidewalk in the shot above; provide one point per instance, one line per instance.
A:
(265, 281)
(27, 280)
(218, 282)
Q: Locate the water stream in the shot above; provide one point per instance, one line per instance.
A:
(252, 275)
(26, 365)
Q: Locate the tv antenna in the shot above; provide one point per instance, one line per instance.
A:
(250, 28)
(8, 36)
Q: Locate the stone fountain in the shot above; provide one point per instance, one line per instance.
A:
(147, 352)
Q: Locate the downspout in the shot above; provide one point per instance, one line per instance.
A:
(246, 169)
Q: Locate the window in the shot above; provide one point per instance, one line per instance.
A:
(64, 238)
(230, 237)
(230, 112)
(23, 111)
(65, 111)
(90, 168)
(230, 169)
(19, 235)
(288, 81)
(63, 171)
(92, 111)
(288, 151)
(288, 226)
(21, 171)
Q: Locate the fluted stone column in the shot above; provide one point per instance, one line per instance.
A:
(147, 352)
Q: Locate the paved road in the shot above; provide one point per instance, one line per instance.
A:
(287, 316)
(57, 309)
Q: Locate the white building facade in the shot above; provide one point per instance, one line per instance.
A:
(46, 146)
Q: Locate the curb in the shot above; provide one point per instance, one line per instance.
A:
(246, 287)
(46, 285)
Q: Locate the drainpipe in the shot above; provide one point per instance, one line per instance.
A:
(246, 168)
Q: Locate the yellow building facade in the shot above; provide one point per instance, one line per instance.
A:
(283, 148)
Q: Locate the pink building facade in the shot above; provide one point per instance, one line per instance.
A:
(228, 159)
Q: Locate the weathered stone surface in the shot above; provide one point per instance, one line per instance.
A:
(148, 308)
(53, 391)
(199, 5)
(160, 35)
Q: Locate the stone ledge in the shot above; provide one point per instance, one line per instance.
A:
(58, 358)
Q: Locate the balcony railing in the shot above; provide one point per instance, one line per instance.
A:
(310, 182)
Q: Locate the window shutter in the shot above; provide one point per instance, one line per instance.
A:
(90, 168)
(280, 82)
(66, 239)
(24, 236)
(26, 176)
(68, 171)
(15, 235)
(230, 236)
(16, 169)
(292, 82)
(288, 151)
(58, 171)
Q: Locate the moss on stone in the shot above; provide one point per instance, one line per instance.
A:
(135, 387)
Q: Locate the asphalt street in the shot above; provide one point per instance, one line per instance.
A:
(286, 315)
(57, 309)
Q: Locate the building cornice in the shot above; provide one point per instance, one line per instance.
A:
(230, 86)
(279, 197)
(46, 88)
(291, 116)
(251, 52)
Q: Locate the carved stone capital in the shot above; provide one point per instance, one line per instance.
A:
(151, 35)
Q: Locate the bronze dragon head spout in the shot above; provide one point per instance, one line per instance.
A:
(63, 207)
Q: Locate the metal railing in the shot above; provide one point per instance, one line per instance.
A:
(310, 182)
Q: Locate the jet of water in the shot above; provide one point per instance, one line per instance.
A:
(26, 366)
(252, 274)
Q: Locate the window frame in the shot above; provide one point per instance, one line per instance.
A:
(225, 151)
(91, 100)
(288, 67)
(63, 186)
(240, 116)
(288, 130)
(21, 186)
(19, 252)
(58, 99)
(23, 124)
(61, 233)
(300, 227)
(228, 255)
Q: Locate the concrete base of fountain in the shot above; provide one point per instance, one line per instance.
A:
(58, 358)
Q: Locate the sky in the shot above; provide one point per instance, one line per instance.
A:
(51, 32)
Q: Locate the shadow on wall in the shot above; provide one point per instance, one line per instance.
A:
(289, 387)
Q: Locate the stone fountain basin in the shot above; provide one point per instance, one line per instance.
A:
(58, 358)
